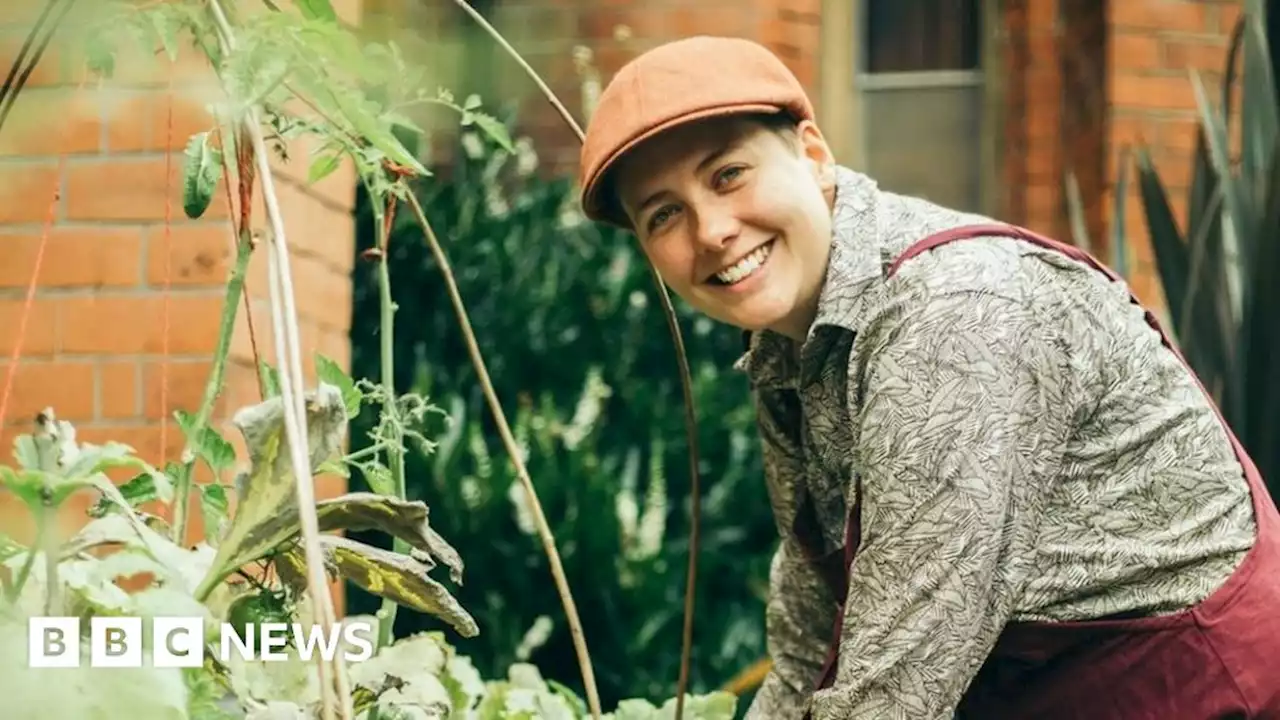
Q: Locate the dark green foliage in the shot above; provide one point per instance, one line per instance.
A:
(554, 302)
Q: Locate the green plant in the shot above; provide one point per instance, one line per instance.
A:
(1220, 269)
(352, 98)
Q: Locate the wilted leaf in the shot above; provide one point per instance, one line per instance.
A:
(180, 565)
(388, 574)
(202, 168)
(266, 492)
(402, 519)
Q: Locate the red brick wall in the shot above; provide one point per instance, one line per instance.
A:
(1087, 78)
(94, 343)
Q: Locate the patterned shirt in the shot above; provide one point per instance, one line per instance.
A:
(1026, 450)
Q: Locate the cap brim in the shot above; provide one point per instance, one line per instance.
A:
(592, 205)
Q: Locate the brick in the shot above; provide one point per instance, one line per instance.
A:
(41, 336)
(134, 324)
(1206, 54)
(139, 119)
(243, 343)
(137, 190)
(1133, 50)
(1179, 135)
(240, 389)
(73, 257)
(26, 191)
(241, 350)
(1228, 15)
(325, 231)
(1153, 93)
(197, 255)
(1189, 16)
(49, 121)
(67, 387)
(119, 389)
(1131, 130)
(186, 381)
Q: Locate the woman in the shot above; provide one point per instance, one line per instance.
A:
(1000, 492)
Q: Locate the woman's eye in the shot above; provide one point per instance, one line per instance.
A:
(728, 174)
(660, 217)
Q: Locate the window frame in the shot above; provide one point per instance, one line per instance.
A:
(844, 82)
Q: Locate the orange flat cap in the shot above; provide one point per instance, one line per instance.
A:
(672, 84)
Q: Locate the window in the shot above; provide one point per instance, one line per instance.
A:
(920, 86)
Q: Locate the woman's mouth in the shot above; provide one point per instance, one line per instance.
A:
(744, 268)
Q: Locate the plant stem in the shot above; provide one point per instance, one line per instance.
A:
(212, 387)
(49, 548)
(42, 526)
(513, 450)
(395, 444)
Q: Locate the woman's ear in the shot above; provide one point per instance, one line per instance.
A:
(816, 150)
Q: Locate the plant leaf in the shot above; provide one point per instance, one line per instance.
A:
(407, 520)
(208, 444)
(323, 166)
(317, 10)
(201, 172)
(213, 510)
(402, 578)
(143, 488)
(329, 372)
(494, 128)
(1259, 108)
(1171, 256)
(1119, 238)
(266, 492)
(270, 380)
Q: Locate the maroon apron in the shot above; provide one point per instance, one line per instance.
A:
(1217, 660)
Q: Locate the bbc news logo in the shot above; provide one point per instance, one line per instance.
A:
(55, 642)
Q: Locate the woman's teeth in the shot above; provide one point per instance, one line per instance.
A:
(742, 269)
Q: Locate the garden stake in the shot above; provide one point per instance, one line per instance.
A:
(682, 359)
(285, 331)
(509, 443)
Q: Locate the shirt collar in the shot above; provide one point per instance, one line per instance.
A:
(860, 255)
